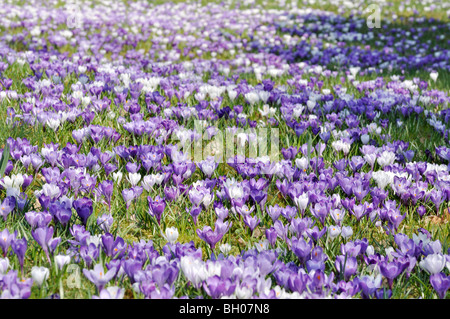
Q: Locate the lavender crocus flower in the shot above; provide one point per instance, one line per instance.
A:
(44, 237)
(105, 222)
(217, 287)
(7, 206)
(5, 240)
(346, 265)
(98, 276)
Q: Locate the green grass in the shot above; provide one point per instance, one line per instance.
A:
(135, 224)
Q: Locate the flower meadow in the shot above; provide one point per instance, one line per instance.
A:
(238, 149)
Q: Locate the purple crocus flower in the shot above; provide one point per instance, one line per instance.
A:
(302, 249)
(131, 268)
(346, 265)
(111, 247)
(320, 211)
(217, 287)
(383, 293)
(60, 213)
(44, 237)
(369, 285)
(274, 212)
(289, 153)
(194, 212)
(271, 235)
(165, 273)
(315, 234)
(7, 206)
(5, 240)
(209, 236)
(19, 246)
(105, 222)
(156, 207)
(392, 270)
(171, 193)
(440, 283)
(251, 222)
(359, 211)
(221, 212)
(84, 208)
(106, 189)
(110, 293)
(98, 276)
(433, 247)
(421, 210)
(89, 253)
(128, 195)
(298, 281)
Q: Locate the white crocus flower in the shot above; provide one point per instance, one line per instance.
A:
(365, 138)
(302, 163)
(433, 263)
(53, 123)
(434, 76)
(117, 177)
(302, 201)
(386, 158)
(334, 231)
(39, 274)
(243, 292)
(370, 158)
(62, 260)
(171, 234)
(134, 178)
(252, 97)
(225, 248)
(4, 265)
(51, 190)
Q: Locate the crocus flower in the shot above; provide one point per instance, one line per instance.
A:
(7, 206)
(251, 222)
(225, 248)
(217, 287)
(171, 234)
(84, 208)
(392, 270)
(302, 202)
(156, 207)
(105, 222)
(43, 236)
(194, 212)
(98, 276)
(19, 246)
(433, 263)
(39, 274)
(128, 195)
(4, 265)
(347, 231)
(110, 293)
(62, 260)
(302, 249)
(334, 231)
(347, 265)
(440, 283)
(106, 189)
(5, 240)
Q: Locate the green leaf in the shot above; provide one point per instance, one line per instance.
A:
(4, 159)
